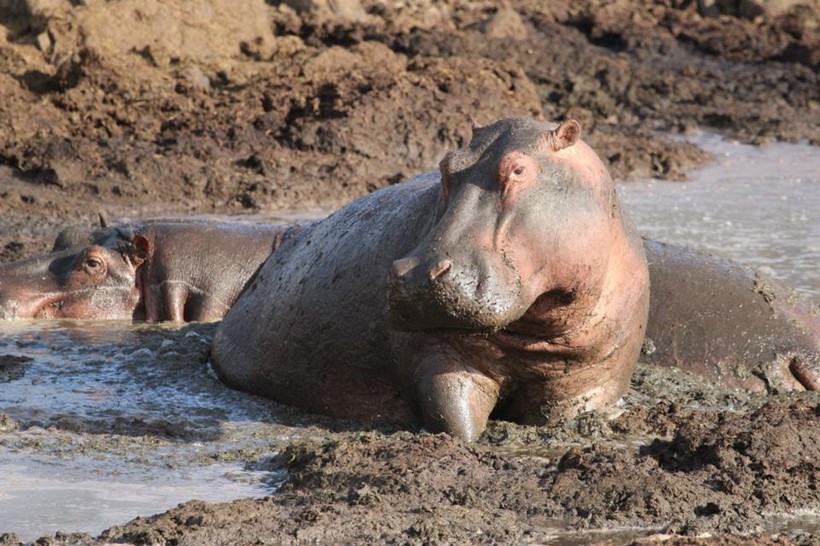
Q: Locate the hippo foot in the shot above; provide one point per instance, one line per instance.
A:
(455, 399)
(806, 369)
(792, 371)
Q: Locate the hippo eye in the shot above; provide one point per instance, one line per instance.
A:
(93, 264)
(519, 171)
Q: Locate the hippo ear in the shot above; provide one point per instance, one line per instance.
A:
(564, 136)
(143, 248)
(473, 125)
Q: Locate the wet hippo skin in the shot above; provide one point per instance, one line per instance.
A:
(155, 270)
(717, 319)
(510, 282)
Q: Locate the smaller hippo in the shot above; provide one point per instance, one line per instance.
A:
(719, 320)
(155, 271)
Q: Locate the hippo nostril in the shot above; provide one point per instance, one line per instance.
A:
(401, 267)
(440, 269)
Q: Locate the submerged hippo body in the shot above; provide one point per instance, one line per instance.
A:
(721, 321)
(509, 283)
(157, 271)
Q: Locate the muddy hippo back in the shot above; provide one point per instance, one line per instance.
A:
(723, 322)
(509, 281)
(311, 330)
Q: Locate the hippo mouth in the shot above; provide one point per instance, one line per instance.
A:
(528, 343)
(38, 305)
(49, 310)
(505, 338)
(33, 306)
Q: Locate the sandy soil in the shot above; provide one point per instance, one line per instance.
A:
(143, 108)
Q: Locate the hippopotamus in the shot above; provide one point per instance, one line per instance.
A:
(155, 270)
(733, 326)
(510, 282)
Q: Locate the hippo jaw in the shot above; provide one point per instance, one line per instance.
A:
(117, 303)
(30, 306)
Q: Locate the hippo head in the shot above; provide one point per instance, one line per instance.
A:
(525, 216)
(89, 274)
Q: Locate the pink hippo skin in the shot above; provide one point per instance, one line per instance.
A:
(511, 283)
(156, 271)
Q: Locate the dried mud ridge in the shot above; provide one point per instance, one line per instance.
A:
(141, 109)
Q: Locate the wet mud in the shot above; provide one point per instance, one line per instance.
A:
(206, 107)
(679, 457)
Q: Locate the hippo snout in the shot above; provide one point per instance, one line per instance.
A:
(445, 293)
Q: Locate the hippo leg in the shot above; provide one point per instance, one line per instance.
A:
(202, 309)
(454, 398)
(790, 371)
(174, 296)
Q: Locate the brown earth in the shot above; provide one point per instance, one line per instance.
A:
(143, 108)
(426, 489)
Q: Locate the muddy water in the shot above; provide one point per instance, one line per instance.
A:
(108, 421)
(119, 420)
(759, 206)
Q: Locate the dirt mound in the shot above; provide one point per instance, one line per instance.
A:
(421, 489)
(202, 106)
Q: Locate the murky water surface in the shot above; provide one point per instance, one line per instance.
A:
(159, 427)
(112, 420)
(759, 206)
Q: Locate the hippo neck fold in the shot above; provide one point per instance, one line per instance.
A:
(561, 325)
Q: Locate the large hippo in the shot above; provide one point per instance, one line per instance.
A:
(155, 270)
(726, 323)
(510, 283)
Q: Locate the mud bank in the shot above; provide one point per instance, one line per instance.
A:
(423, 489)
(677, 457)
(677, 460)
(203, 106)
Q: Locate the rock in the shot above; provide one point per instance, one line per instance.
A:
(771, 9)
(753, 9)
(44, 42)
(12, 367)
(346, 10)
(505, 24)
(195, 78)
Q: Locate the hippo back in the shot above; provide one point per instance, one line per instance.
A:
(717, 319)
(319, 300)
